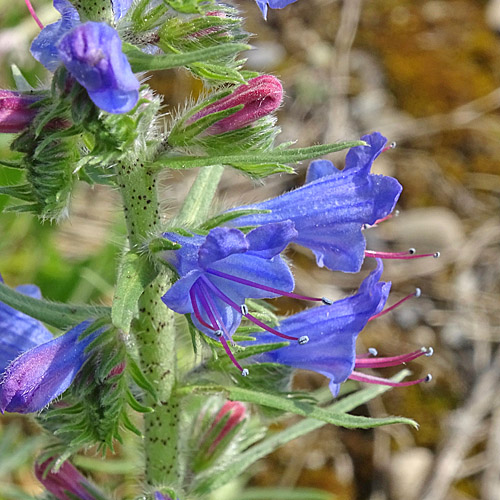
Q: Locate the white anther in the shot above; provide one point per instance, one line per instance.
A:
(326, 301)
(244, 309)
(428, 378)
(218, 333)
(244, 372)
(396, 213)
(418, 292)
(430, 351)
(437, 255)
(373, 351)
(392, 145)
(303, 340)
(412, 251)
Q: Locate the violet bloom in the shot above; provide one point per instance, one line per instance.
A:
(220, 270)
(92, 53)
(331, 209)
(274, 4)
(260, 97)
(67, 483)
(35, 368)
(16, 111)
(333, 330)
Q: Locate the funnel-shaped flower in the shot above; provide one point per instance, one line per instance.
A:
(67, 483)
(330, 210)
(274, 4)
(92, 53)
(35, 368)
(16, 112)
(332, 330)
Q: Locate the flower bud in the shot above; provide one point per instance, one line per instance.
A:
(16, 111)
(220, 432)
(259, 97)
(67, 482)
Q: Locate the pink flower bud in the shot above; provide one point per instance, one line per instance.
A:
(237, 413)
(15, 111)
(260, 96)
(67, 483)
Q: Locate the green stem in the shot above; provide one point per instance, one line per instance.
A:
(154, 328)
(197, 204)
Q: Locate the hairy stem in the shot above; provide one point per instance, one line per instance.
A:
(154, 328)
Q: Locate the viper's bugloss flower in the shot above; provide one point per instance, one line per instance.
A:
(35, 368)
(16, 111)
(120, 7)
(331, 209)
(67, 482)
(333, 330)
(219, 271)
(259, 97)
(274, 4)
(92, 53)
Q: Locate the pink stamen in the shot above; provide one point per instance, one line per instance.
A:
(247, 315)
(410, 254)
(33, 14)
(392, 145)
(362, 362)
(370, 379)
(416, 293)
(197, 313)
(267, 288)
(383, 219)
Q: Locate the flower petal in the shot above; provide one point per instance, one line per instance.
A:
(219, 244)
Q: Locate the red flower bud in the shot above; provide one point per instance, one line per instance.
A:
(16, 112)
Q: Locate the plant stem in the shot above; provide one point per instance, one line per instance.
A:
(197, 204)
(154, 328)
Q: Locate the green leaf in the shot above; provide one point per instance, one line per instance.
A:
(134, 275)
(221, 219)
(235, 393)
(253, 158)
(55, 314)
(274, 441)
(139, 378)
(284, 494)
(146, 62)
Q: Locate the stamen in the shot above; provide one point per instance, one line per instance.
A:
(303, 340)
(193, 296)
(373, 351)
(392, 145)
(244, 309)
(33, 14)
(410, 254)
(362, 362)
(235, 306)
(370, 379)
(416, 293)
(253, 284)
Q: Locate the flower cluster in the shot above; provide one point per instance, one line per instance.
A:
(218, 271)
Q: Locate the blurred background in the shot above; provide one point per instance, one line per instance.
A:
(425, 74)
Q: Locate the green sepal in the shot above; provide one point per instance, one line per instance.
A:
(139, 61)
(134, 275)
(139, 378)
(144, 17)
(186, 6)
(220, 220)
(11, 164)
(257, 164)
(157, 245)
(135, 405)
(20, 191)
(56, 314)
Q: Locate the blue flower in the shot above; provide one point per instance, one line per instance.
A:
(220, 270)
(332, 330)
(120, 7)
(330, 210)
(35, 368)
(92, 53)
(274, 4)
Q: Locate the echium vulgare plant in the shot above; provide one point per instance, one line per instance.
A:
(119, 369)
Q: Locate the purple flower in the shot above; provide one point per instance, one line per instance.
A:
(35, 368)
(120, 7)
(274, 4)
(330, 210)
(220, 270)
(16, 112)
(67, 483)
(92, 53)
(260, 96)
(333, 330)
